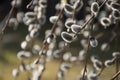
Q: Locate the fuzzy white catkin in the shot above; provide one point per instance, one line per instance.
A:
(28, 38)
(13, 22)
(34, 33)
(42, 19)
(53, 19)
(93, 42)
(30, 15)
(84, 43)
(82, 55)
(95, 8)
(116, 54)
(78, 5)
(98, 65)
(17, 3)
(73, 59)
(65, 66)
(86, 34)
(32, 26)
(76, 28)
(67, 37)
(20, 16)
(36, 48)
(116, 14)
(15, 72)
(50, 39)
(91, 75)
(115, 6)
(67, 56)
(106, 22)
(68, 10)
(109, 63)
(69, 23)
(43, 3)
(23, 54)
(105, 47)
(60, 74)
(52, 45)
(24, 45)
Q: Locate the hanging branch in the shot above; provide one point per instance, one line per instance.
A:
(7, 21)
(115, 76)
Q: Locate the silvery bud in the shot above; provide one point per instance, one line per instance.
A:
(50, 38)
(34, 33)
(105, 22)
(23, 55)
(116, 14)
(67, 37)
(67, 56)
(73, 59)
(36, 49)
(30, 14)
(33, 26)
(105, 47)
(20, 16)
(13, 23)
(28, 38)
(65, 66)
(60, 74)
(78, 5)
(93, 42)
(22, 67)
(76, 28)
(24, 45)
(69, 23)
(116, 54)
(43, 3)
(17, 3)
(53, 19)
(82, 55)
(115, 6)
(68, 9)
(42, 20)
(86, 34)
(109, 63)
(28, 21)
(95, 8)
(92, 76)
(15, 72)
(98, 65)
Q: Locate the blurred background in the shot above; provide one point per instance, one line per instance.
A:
(10, 45)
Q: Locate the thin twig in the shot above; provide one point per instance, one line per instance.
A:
(84, 25)
(86, 60)
(55, 24)
(45, 44)
(29, 5)
(7, 21)
(115, 76)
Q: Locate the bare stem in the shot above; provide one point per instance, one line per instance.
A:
(86, 60)
(7, 21)
(99, 73)
(28, 6)
(117, 66)
(93, 16)
(55, 24)
(115, 76)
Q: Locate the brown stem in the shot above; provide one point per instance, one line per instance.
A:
(28, 6)
(55, 24)
(86, 60)
(7, 21)
(115, 76)
(117, 66)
